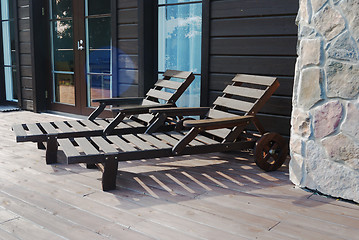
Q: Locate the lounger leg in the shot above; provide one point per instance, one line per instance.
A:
(40, 145)
(109, 174)
(51, 150)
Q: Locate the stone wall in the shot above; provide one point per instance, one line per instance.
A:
(325, 119)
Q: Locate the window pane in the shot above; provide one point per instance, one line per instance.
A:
(100, 87)
(61, 9)
(64, 88)
(99, 7)
(179, 44)
(14, 84)
(99, 45)
(180, 32)
(63, 46)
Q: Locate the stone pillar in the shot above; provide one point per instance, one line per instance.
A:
(324, 140)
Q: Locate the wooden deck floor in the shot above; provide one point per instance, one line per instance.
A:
(212, 196)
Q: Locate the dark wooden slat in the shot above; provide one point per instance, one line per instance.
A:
(63, 127)
(86, 146)
(76, 125)
(145, 117)
(168, 84)
(123, 145)
(213, 113)
(101, 122)
(222, 133)
(154, 141)
(253, 64)
(19, 130)
(276, 105)
(68, 147)
(177, 74)
(134, 124)
(206, 139)
(217, 82)
(34, 129)
(166, 138)
(244, 92)
(233, 104)
(260, 80)
(159, 94)
(246, 8)
(104, 145)
(149, 102)
(137, 142)
(91, 125)
(261, 26)
(49, 128)
(262, 46)
(181, 135)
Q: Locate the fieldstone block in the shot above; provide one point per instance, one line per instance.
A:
(343, 48)
(303, 14)
(351, 124)
(296, 169)
(311, 52)
(327, 118)
(310, 91)
(342, 80)
(329, 22)
(317, 4)
(329, 177)
(350, 9)
(305, 31)
(296, 145)
(300, 123)
(341, 148)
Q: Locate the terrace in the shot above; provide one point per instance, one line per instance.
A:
(209, 196)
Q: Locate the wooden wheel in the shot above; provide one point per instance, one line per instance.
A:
(271, 151)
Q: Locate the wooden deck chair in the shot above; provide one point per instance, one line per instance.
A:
(132, 114)
(221, 130)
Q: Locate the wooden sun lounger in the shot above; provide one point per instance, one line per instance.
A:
(221, 130)
(132, 114)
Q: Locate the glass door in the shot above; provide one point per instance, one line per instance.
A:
(8, 64)
(81, 53)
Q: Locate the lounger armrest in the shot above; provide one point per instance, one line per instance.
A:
(131, 110)
(209, 124)
(118, 101)
(183, 111)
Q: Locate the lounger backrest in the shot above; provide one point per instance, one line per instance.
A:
(245, 96)
(170, 87)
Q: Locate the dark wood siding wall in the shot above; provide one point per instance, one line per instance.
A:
(127, 36)
(25, 55)
(255, 37)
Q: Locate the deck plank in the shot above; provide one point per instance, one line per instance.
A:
(208, 196)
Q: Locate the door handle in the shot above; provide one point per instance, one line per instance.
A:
(79, 45)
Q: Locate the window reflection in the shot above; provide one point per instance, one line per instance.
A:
(179, 43)
(9, 50)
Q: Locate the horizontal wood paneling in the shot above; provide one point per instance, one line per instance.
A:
(128, 31)
(127, 4)
(254, 46)
(129, 16)
(266, 26)
(127, 43)
(253, 65)
(126, 61)
(255, 37)
(26, 80)
(248, 8)
(25, 59)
